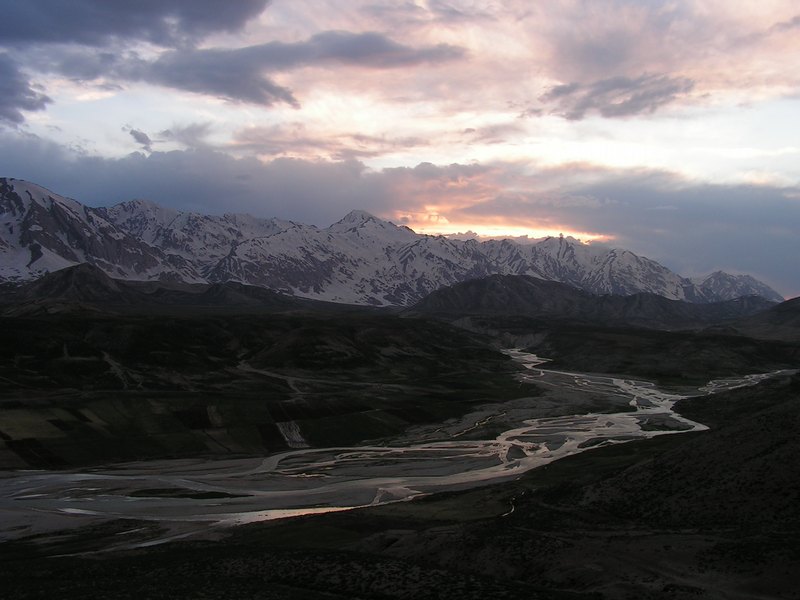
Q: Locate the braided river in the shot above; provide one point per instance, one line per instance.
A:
(495, 442)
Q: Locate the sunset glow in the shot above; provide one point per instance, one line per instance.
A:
(433, 224)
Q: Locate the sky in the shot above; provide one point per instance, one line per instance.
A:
(669, 128)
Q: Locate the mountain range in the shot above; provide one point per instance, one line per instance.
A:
(358, 260)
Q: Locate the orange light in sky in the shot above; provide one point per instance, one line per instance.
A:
(437, 224)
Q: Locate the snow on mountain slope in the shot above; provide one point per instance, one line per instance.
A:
(602, 270)
(202, 239)
(45, 232)
(720, 284)
(359, 259)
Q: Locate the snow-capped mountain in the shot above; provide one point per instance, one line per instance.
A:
(42, 232)
(360, 259)
(720, 284)
(203, 239)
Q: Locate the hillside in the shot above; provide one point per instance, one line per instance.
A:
(520, 295)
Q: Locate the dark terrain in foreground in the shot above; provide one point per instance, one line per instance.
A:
(86, 389)
(712, 514)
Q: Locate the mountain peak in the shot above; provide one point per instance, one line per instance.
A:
(27, 192)
(356, 217)
(722, 284)
(365, 225)
(82, 282)
(142, 206)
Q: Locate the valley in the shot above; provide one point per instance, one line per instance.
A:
(505, 436)
(227, 448)
(659, 517)
(181, 494)
(418, 300)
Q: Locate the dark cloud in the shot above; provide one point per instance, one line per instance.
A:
(368, 49)
(229, 74)
(64, 37)
(616, 96)
(17, 93)
(140, 137)
(77, 62)
(240, 74)
(101, 22)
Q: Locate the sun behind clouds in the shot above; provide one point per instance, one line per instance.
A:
(437, 224)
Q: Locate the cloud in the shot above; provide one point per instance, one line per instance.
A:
(17, 93)
(624, 57)
(140, 137)
(370, 49)
(616, 96)
(784, 26)
(433, 11)
(599, 39)
(65, 37)
(102, 22)
(294, 139)
(228, 74)
(457, 11)
(243, 74)
(201, 180)
(192, 135)
(240, 73)
(79, 63)
(497, 133)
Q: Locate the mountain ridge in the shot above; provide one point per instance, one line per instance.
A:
(523, 295)
(360, 259)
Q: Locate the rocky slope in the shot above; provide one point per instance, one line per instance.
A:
(360, 259)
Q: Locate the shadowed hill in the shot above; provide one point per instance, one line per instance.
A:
(781, 322)
(85, 287)
(83, 387)
(81, 283)
(735, 474)
(528, 296)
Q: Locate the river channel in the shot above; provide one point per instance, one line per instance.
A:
(497, 442)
